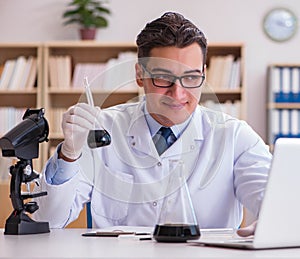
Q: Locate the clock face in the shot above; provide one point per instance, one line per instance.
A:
(280, 24)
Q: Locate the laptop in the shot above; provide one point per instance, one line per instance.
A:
(278, 225)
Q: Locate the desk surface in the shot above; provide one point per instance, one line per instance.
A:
(68, 243)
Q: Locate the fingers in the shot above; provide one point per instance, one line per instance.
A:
(247, 231)
(80, 116)
(76, 123)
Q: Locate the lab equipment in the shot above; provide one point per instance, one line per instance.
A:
(177, 221)
(23, 142)
(98, 137)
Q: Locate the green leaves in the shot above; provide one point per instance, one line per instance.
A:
(87, 13)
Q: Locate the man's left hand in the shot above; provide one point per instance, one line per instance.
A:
(247, 231)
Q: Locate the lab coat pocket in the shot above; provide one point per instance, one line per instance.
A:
(110, 199)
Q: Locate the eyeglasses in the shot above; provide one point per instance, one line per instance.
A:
(164, 80)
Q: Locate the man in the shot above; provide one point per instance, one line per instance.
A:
(225, 161)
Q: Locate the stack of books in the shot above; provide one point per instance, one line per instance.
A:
(9, 118)
(60, 71)
(231, 108)
(115, 74)
(20, 73)
(224, 72)
(55, 118)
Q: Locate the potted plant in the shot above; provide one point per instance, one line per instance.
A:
(89, 14)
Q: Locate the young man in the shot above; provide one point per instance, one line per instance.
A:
(225, 162)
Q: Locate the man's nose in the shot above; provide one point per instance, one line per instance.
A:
(177, 89)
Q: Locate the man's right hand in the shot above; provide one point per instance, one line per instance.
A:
(76, 123)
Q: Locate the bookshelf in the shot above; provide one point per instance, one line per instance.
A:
(283, 108)
(56, 96)
(225, 79)
(16, 97)
(14, 100)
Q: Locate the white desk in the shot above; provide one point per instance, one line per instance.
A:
(68, 243)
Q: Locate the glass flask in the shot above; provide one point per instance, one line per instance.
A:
(97, 137)
(177, 220)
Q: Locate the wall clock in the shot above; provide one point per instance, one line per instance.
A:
(280, 24)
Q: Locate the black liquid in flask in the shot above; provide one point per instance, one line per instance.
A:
(98, 138)
(176, 232)
(177, 220)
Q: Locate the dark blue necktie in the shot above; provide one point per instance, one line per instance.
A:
(160, 139)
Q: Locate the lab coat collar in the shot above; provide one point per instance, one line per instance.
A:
(138, 132)
(140, 138)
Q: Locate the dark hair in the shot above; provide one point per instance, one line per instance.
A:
(171, 29)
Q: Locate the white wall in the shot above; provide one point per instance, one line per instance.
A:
(222, 21)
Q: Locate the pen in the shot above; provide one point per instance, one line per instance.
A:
(142, 233)
(106, 234)
(116, 234)
(145, 238)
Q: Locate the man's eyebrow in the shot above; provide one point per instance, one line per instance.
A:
(161, 70)
(192, 71)
(168, 71)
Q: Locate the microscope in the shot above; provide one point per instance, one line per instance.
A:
(22, 142)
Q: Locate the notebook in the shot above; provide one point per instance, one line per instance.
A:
(278, 224)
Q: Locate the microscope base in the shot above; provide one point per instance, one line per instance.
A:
(22, 224)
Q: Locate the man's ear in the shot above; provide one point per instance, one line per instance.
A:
(204, 72)
(139, 75)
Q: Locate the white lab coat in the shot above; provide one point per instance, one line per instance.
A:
(226, 166)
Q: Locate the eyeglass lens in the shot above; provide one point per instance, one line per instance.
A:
(166, 80)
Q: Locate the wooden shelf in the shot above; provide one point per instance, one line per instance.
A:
(19, 99)
(284, 106)
(221, 91)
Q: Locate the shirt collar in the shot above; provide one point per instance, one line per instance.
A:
(154, 126)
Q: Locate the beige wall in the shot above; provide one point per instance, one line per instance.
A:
(222, 21)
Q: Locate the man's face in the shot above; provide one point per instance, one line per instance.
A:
(172, 105)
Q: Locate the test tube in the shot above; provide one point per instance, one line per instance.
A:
(97, 137)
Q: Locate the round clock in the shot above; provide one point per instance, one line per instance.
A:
(280, 24)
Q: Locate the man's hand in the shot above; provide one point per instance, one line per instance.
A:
(247, 231)
(76, 123)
